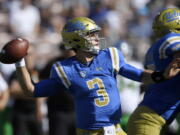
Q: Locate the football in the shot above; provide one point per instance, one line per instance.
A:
(14, 50)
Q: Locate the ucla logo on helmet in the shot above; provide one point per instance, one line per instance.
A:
(171, 16)
(73, 26)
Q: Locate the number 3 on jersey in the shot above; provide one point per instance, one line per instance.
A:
(100, 102)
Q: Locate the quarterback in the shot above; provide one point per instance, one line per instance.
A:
(161, 102)
(90, 77)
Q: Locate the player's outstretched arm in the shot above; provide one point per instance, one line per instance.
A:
(24, 78)
(14, 51)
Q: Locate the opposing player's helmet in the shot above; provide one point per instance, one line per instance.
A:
(75, 32)
(167, 21)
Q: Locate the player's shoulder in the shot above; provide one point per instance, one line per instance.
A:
(62, 63)
(109, 50)
(59, 67)
(66, 62)
(167, 45)
(167, 40)
(171, 36)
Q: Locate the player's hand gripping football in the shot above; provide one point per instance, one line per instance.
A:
(14, 50)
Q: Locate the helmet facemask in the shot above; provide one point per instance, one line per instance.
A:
(93, 43)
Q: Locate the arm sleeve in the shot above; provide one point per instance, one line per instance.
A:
(121, 67)
(149, 61)
(49, 86)
(131, 72)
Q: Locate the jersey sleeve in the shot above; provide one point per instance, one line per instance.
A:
(117, 59)
(131, 72)
(59, 73)
(121, 67)
(149, 61)
(170, 46)
(49, 86)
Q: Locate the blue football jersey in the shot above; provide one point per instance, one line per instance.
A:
(93, 86)
(164, 98)
(149, 61)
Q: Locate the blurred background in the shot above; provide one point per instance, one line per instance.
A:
(126, 24)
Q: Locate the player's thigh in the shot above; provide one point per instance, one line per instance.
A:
(119, 130)
(120, 133)
(88, 132)
(144, 121)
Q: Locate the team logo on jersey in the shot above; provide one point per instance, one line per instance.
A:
(99, 68)
(82, 73)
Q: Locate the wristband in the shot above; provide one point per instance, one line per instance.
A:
(20, 63)
(158, 77)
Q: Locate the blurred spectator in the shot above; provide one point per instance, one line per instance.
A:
(116, 21)
(24, 18)
(6, 70)
(98, 11)
(170, 4)
(139, 4)
(3, 89)
(48, 39)
(73, 4)
(5, 126)
(45, 21)
(77, 10)
(4, 94)
(60, 110)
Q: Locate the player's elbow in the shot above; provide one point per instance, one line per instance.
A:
(28, 91)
